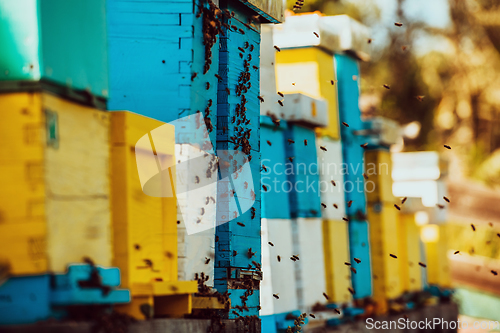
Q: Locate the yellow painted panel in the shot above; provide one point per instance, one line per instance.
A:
(78, 185)
(336, 247)
(23, 247)
(436, 251)
(207, 302)
(378, 167)
(309, 71)
(384, 241)
(409, 253)
(145, 227)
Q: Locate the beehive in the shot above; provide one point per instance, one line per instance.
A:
(55, 202)
(41, 49)
(144, 226)
(436, 255)
(409, 253)
(378, 168)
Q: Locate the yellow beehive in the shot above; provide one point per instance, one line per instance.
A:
(310, 71)
(54, 199)
(384, 242)
(409, 253)
(434, 238)
(145, 227)
(336, 247)
(378, 167)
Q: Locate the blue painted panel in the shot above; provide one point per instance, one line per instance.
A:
(25, 300)
(360, 248)
(275, 201)
(282, 323)
(268, 324)
(302, 171)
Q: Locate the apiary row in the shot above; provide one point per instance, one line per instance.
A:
(337, 243)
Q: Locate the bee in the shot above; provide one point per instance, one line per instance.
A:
(440, 206)
(404, 200)
(347, 263)
(235, 253)
(353, 270)
(228, 91)
(404, 47)
(494, 272)
(312, 316)
(193, 76)
(305, 142)
(241, 55)
(420, 98)
(446, 199)
(280, 102)
(253, 213)
(216, 238)
(369, 40)
(446, 146)
(323, 205)
(293, 83)
(255, 67)
(357, 260)
(202, 211)
(398, 24)
(345, 219)
(240, 224)
(349, 203)
(241, 49)
(269, 142)
(498, 234)
(323, 148)
(250, 253)
(235, 28)
(456, 252)
(198, 221)
(213, 200)
(490, 224)
(326, 296)
(264, 187)
(233, 119)
(270, 243)
(332, 82)
(196, 179)
(351, 291)
(393, 256)
(290, 141)
(279, 258)
(345, 124)
(208, 85)
(397, 207)
(364, 145)
(291, 159)
(261, 99)
(251, 48)
(277, 48)
(365, 176)
(337, 310)
(241, 31)
(473, 227)
(276, 296)
(264, 167)
(422, 264)
(386, 86)
(313, 211)
(218, 77)
(281, 94)
(315, 34)
(207, 260)
(335, 205)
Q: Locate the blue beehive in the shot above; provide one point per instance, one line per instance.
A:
(304, 178)
(275, 201)
(56, 45)
(347, 70)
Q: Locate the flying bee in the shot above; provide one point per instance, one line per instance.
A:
(446, 199)
(404, 200)
(386, 86)
(290, 141)
(312, 316)
(291, 159)
(420, 98)
(349, 203)
(264, 187)
(364, 145)
(333, 182)
(357, 260)
(207, 260)
(260, 99)
(494, 272)
(422, 264)
(218, 77)
(397, 207)
(196, 179)
(277, 48)
(351, 291)
(440, 206)
(305, 142)
(398, 24)
(276, 296)
(280, 102)
(365, 176)
(353, 270)
(326, 296)
(337, 310)
(316, 34)
(335, 205)
(345, 124)
(281, 94)
(323, 205)
(404, 47)
(473, 227)
(269, 143)
(347, 263)
(193, 76)
(279, 258)
(446, 146)
(240, 224)
(393, 256)
(456, 252)
(369, 40)
(345, 219)
(323, 148)
(270, 243)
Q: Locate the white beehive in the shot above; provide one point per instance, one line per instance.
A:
(304, 109)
